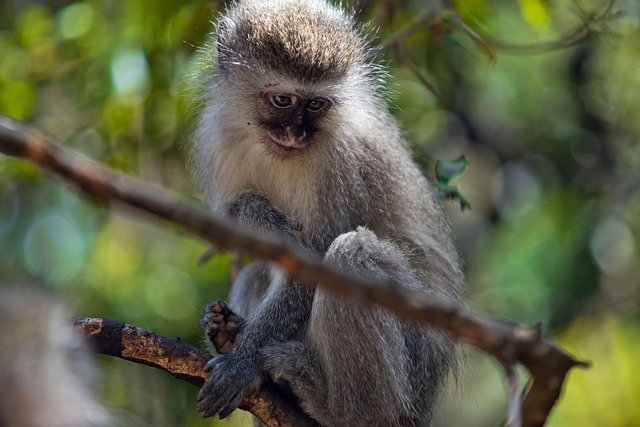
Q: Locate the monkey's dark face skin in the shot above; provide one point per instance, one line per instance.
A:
(290, 120)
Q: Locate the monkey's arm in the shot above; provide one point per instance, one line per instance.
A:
(279, 316)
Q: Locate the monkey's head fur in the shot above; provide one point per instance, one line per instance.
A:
(309, 41)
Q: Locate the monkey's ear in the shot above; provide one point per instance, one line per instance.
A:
(226, 28)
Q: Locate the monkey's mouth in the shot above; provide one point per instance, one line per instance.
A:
(284, 148)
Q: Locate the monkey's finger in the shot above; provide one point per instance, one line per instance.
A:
(205, 408)
(231, 406)
(232, 328)
(208, 399)
(215, 401)
(235, 324)
(219, 307)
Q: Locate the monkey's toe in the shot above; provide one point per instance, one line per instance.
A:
(221, 325)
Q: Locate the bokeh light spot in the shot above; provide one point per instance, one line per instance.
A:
(75, 20)
(54, 248)
(15, 65)
(171, 292)
(130, 72)
(117, 255)
(516, 190)
(612, 245)
(18, 99)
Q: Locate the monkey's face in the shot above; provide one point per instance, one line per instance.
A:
(290, 119)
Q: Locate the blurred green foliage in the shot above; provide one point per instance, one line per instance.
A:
(551, 138)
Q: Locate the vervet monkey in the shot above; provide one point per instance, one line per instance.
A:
(46, 374)
(295, 140)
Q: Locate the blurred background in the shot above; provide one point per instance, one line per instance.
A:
(546, 112)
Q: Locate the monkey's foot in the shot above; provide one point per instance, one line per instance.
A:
(221, 325)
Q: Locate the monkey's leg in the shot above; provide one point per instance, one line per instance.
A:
(249, 288)
(353, 367)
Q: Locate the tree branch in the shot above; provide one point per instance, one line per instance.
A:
(510, 343)
(115, 338)
(591, 22)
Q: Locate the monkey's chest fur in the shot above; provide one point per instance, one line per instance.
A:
(323, 188)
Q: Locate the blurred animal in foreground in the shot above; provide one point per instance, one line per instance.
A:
(46, 374)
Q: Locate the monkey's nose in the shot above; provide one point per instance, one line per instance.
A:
(290, 137)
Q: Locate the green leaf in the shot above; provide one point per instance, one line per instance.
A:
(446, 170)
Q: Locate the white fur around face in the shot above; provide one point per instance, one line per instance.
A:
(233, 157)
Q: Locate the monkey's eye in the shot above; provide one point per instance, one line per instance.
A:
(316, 105)
(283, 101)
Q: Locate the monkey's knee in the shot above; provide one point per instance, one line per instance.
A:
(361, 250)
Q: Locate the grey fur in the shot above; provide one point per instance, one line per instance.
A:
(363, 205)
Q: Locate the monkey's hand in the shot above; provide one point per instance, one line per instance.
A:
(254, 211)
(231, 376)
